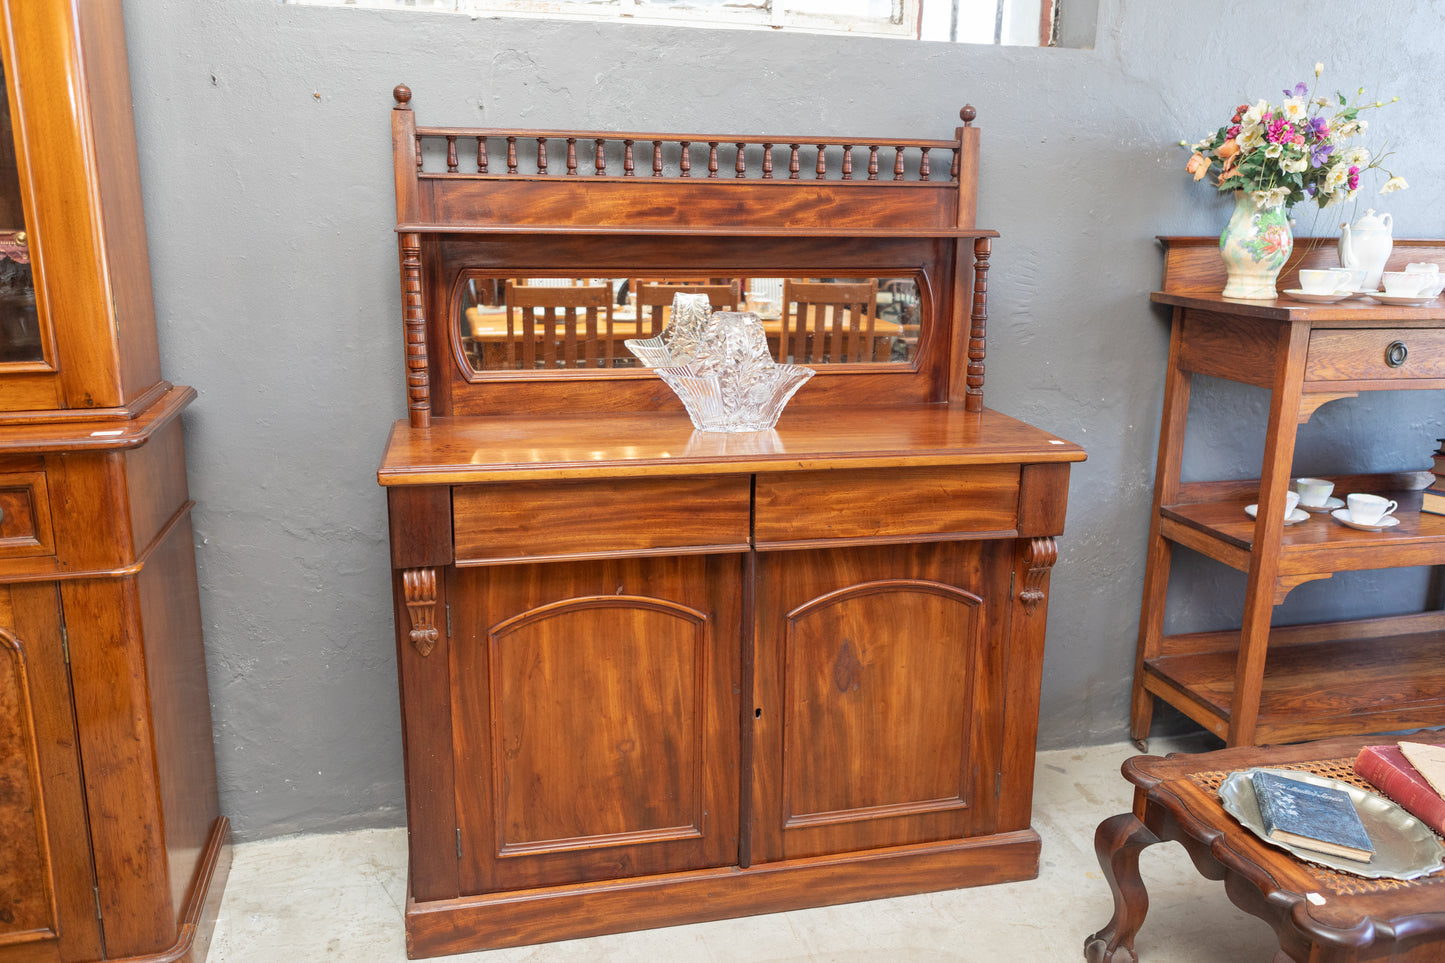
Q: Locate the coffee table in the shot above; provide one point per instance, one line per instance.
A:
(1319, 915)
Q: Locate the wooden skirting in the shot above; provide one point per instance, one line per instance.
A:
(521, 917)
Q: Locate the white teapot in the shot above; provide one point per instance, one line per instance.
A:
(1366, 246)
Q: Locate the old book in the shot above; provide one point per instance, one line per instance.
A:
(1432, 501)
(1429, 760)
(1387, 769)
(1318, 818)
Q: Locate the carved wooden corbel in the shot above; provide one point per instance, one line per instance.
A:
(419, 585)
(1039, 556)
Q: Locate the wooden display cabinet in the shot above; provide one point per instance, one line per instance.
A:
(112, 845)
(652, 675)
(1261, 683)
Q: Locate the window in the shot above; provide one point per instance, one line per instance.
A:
(1017, 22)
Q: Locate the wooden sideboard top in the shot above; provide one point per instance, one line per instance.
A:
(503, 448)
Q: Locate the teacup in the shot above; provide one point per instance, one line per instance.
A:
(1314, 492)
(1322, 282)
(1291, 502)
(1355, 278)
(1405, 284)
(1435, 281)
(1368, 509)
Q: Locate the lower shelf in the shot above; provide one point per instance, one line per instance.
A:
(520, 917)
(1317, 688)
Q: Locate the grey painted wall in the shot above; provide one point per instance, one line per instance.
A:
(264, 143)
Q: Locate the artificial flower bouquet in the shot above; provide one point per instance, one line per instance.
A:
(1303, 148)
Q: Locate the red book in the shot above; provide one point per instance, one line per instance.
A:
(1387, 769)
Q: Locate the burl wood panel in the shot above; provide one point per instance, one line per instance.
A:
(32, 614)
(576, 519)
(595, 719)
(903, 504)
(869, 681)
(27, 902)
(25, 515)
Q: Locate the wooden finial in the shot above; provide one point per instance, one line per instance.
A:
(967, 115)
(402, 93)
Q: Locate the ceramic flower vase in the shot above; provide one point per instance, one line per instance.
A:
(1255, 245)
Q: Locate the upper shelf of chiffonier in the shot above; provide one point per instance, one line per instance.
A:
(515, 448)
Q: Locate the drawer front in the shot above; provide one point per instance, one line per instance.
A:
(886, 504)
(24, 515)
(1375, 354)
(527, 521)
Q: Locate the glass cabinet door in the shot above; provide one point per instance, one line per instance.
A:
(20, 335)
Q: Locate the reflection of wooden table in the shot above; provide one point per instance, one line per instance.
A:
(485, 336)
(1319, 915)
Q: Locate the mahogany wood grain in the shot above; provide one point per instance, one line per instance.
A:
(797, 507)
(467, 451)
(869, 671)
(651, 674)
(595, 719)
(420, 524)
(509, 523)
(622, 905)
(426, 729)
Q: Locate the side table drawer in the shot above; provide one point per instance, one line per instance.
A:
(886, 504)
(1375, 354)
(527, 521)
(25, 515)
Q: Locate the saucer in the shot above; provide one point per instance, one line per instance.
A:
(1342, 515)
(1399, 300)
(1295, 517)
(1330, 505)
(1298, 294)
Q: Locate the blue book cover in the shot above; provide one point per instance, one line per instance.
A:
(1318, 818)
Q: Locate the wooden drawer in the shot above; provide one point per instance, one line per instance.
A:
(528, 521)
(1340, 354)
(24, 515)
(886, 504)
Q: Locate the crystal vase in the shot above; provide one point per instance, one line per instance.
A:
(1255, 245)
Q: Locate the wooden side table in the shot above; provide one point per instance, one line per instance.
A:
(1318, 914)
(1261, 683)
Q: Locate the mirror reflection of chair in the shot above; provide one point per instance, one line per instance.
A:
(828, 322)
(654, 302)
(547, 326)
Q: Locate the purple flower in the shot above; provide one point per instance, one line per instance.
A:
(1300, 90)
(1319, 152)
(1319, 128)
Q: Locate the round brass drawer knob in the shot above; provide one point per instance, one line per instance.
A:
(1396, 353)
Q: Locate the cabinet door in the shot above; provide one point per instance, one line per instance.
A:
(877, 696)
(46, 882)
(595, 718)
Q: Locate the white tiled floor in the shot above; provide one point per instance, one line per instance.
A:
(339, 898)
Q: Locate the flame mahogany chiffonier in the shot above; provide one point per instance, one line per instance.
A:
(112, 845)
(652, 675)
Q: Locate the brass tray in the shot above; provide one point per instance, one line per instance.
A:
(1405, 848)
